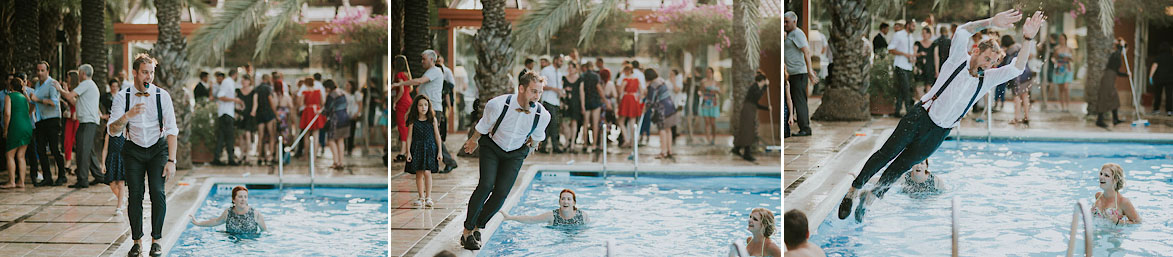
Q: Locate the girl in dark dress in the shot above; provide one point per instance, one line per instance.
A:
(266, 117)
(926, 64)
(574, 105)
(424, 155)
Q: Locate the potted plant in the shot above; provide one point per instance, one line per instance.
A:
(882, 88)
(203, 132)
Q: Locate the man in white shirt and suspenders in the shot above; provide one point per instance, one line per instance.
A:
(940, 110)
(509, 125)
(145, 116)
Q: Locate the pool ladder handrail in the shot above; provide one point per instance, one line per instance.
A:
(1081, 209)
(604, 153)
(956, 224)
(283, 150)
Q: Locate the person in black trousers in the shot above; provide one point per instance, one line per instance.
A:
(149, 151)
(506, 131)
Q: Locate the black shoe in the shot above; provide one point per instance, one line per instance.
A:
(470, 243)
(1117, 122)
(558, 150)
(476, 235)
(61, 181)
(1101, 124)
(400, 158)
(860, 210)
(803, 134)
(156, 250)
(845, 208)
(96, 181)
(735, 151)
(43, 183)
(79, 185)
(748, 157)
(449, 168)
(135, 251)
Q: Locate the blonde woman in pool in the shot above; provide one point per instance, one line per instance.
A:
(566, 214)
(762, 226)
(1109, 203)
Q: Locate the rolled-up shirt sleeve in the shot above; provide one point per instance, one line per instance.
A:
(169, 127)
(961, 43)
(117, 109)
(492, 110)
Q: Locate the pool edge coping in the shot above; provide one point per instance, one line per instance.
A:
(168, 241)
(454, 228)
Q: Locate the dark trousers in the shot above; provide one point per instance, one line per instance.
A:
(1164, 88)
(49, 138)
(225, 137)
(798, 84)
(903, 91)
(145, 164)
(915, 139)
(85, 153)
(498, 172)
(553, 130)
(448, 160)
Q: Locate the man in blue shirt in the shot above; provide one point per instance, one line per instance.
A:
(48, 125)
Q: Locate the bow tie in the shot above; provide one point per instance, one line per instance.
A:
(142, 94)
(526, 111)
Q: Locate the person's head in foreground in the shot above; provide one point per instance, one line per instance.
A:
(1110, 204)
(796, 234)
(762, 226)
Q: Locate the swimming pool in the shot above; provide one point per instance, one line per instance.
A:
(1016, 198)
(332, 221)
(654, 216)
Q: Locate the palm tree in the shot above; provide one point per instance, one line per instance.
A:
(238, 17)
(6, 32)
(172, 71)
(396, 17)
(495, 52)
(49, 19)
(28, 38)
(846, 97)
(71, 24)
(93, 37)
(745, 55)
(415, 34)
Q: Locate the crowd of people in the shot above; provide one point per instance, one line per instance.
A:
(251, 115)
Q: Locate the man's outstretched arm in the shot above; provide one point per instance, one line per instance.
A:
(1030, 30)
(1005, 19)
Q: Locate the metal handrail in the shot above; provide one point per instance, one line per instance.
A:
(312, 168)
(281, 163)
(1081, 209)
(611, 248)
(289, 149)
(604, 153)
(956, 224)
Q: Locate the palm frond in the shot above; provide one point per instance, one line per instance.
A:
(289, 9)
(598, 13)
(538, 25)
(750, 21)
(202, 8)
(210, 41)
(1107, 16)
(116, 10)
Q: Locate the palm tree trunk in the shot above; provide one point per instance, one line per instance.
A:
(172, 71)
(6, 39)
(71, 54)
(845, 99)
(50, 19)
(743, 69)
(1099, 48)
(396, 15)
(93, 37)
(28, 38)
(415, 30)
(495, 52)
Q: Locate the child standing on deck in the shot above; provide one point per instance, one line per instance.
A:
(423, 147)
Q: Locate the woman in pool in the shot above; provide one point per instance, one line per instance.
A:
(566, 214)
(240, 219)
(1109, 203)
(921, 180)
(762, 226)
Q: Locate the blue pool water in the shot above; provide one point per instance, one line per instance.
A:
(1017, 199)
(329, 222)
(656, 216)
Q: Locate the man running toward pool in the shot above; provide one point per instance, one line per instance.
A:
(509, 124)
(940, 110)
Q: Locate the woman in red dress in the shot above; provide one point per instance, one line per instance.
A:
(311, 98)
(402, 105)
(630, 106)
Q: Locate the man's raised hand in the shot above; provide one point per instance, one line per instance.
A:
(1006, 19)
(1033, 23)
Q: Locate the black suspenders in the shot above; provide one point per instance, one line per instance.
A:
(981, 81)
(505, 109)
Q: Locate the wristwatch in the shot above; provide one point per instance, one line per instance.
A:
(171, 161)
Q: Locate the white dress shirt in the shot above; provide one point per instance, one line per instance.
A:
(511, 133)
(952, 103)
(226, 89)
(143, 129)
(902, 42)
(553, 79)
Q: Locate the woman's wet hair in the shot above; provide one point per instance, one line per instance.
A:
(238, 189)
(573, 196)
(1117, 173)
